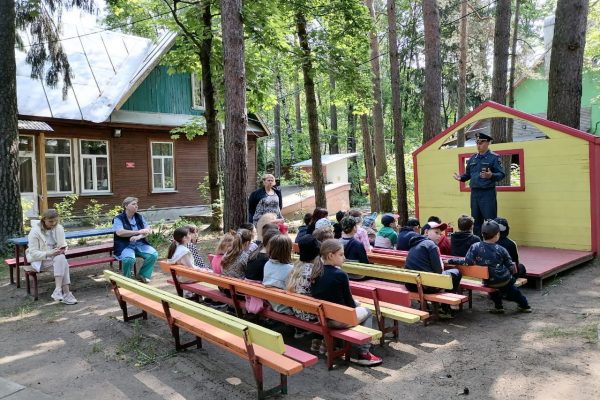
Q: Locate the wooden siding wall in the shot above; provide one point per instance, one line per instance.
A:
(191, 166)
(163, 93)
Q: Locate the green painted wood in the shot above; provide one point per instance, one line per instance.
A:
(163, 93)
(259, 335)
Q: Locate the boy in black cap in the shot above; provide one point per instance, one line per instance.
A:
(464, 238)
(483, 170)
(387, 236)
(510, 246)
(500, 268)
(407, 232)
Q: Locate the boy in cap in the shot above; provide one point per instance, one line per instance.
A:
(500, 268)
(424, 255)
(407, 232)
(510, 246)
(444, 242)
(483, 170)
(464, 238)
(387, 237)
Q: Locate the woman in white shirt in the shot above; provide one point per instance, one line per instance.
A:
(46, 249)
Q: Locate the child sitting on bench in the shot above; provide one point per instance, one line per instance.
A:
(179, 253)
(278, 268)
(463, 239)
(511, 247)
(500, 268)
(222, 248)
(198, 259)
(330, 283)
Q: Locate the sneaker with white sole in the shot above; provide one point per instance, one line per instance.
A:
(57, 295)
(143, 279)
(69, 299)
(367, 359)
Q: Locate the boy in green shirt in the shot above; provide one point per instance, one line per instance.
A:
(387, 236)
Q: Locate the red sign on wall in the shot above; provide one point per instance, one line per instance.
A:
(129, 164)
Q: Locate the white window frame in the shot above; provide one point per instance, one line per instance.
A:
(162, 158)
(93, 157)
(197, 103)
(55, 157)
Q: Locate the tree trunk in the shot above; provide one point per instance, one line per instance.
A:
(513, 66)
(11, 217)
(311, 109)
(369, 164)
(277, 130)
(462, 72)
(499, 84)
(432, 98)
(298, 105)
(566, 62)
(401, 202)
(210, 115)
(385, 195)
(236, 120)
(334, 144)
(286, 118)
(351, 148)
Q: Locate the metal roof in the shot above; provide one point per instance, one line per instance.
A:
(34, 126)
(107, 66)
(326, 159)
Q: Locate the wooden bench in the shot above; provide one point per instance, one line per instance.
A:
(259, 345)
(473, 275)
(324, 310)
(70, 254)
(417, 278)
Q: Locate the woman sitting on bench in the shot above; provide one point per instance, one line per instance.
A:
(47, 247)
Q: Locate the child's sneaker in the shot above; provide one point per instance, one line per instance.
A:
(57, 295)
(445, 314)
(497, 311)
(69, 299)
(315, 344)
(524, 309)
(367, 359)
(299, 333)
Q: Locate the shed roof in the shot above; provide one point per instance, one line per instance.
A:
(34, 126)
(326, 159)
(107, 67)
(490, 109)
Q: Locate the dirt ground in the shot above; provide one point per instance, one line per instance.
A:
(85, 351)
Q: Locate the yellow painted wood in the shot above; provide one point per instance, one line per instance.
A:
(554, 209)
(381, 272)
(436, 280)
(259, 335)
(394, 314)
(374, 333)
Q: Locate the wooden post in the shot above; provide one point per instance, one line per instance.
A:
(43, 186)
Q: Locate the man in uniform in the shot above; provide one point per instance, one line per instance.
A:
(483, 169)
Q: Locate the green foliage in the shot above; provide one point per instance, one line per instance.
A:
(298, 176)
(96, 215)
(195, 127)
(66, 206)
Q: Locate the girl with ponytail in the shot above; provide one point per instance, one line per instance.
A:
(330, 283)
(179, 252)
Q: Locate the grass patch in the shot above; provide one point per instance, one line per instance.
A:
(139, 350)
(589, 332)
(20, 310)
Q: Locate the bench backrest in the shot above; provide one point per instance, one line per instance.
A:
(387, 294)
(333, 311)
(381, 272)
(257, 334)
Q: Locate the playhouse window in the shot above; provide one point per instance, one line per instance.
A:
(514, 181)
(95, 168)
(163, 171)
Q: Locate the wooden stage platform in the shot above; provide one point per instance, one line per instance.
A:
(542, 262)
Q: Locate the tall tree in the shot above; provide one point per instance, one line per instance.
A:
(402, 202)
(297, 104)
(11, 223)
(566, 62)
(513, 68)
(236, 120)
(432, 99)
(311, 110)
(277, 130)
(462, 71)
(334, 142)
(384, 194)
(369, 164)
(499, 78)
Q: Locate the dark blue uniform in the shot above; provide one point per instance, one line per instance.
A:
(483, 191)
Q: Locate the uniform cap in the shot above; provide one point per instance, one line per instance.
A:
(483, 136)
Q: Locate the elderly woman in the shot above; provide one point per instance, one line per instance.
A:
(46, 249)
(265, 200)
(130, 241)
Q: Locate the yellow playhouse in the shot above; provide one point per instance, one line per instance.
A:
(552, 199)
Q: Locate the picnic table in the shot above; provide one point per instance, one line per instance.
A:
(22, 242)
